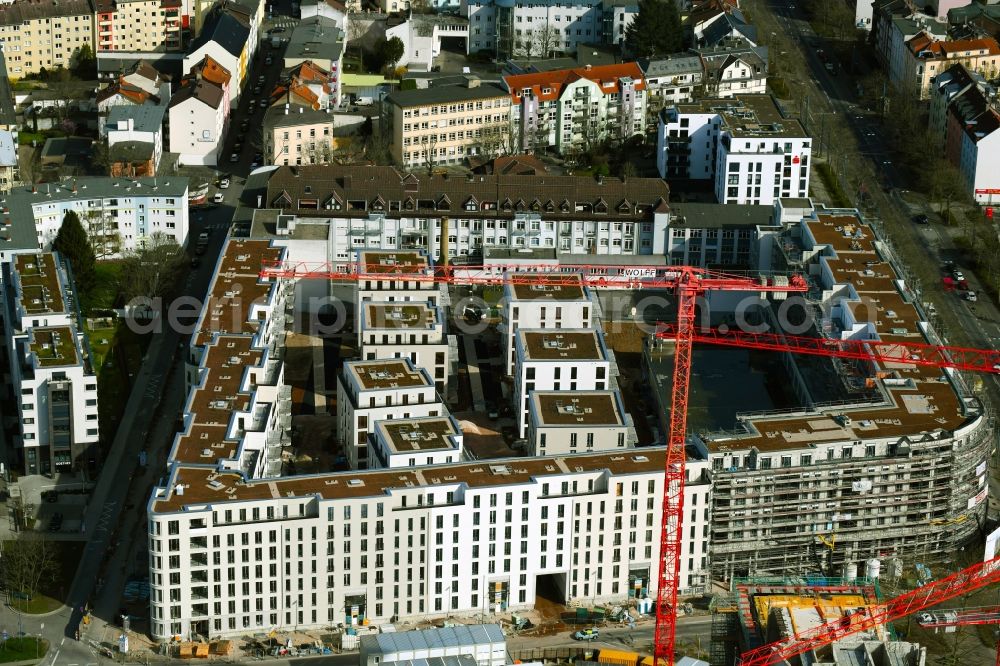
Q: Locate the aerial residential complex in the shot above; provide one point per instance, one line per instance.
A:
(238, 546)
(51, 376)
(511, 524)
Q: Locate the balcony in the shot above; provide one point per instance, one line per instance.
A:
(199, 560)
(199, 542)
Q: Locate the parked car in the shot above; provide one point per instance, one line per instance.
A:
(587, 635)
(277, 31)
(971, 296)
(921, 219)
(219, 197)
(195, 262)
(256, 89)
(958, 275)
(50, 496)
(224, 184)
(234, 157)
(263, 103)
(268, 60)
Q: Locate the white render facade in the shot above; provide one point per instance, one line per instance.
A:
(558, 360)
(125, 211)
(568, 422)
(346, 548)
(408, 443)
(751, 153)
(413, 330)
(541, 306)
(52, 382)
(525, 29)
(380, 390)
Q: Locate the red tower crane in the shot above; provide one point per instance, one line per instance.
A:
(946, 619)
(688, 283)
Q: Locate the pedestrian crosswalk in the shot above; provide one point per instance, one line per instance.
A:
(286, 23)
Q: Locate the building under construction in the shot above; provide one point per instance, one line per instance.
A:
(878, 460)
(762, 610)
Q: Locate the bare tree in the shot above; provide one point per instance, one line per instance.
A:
(153, 268)
(544, 40)
(429, 146)
(103, 234)
(26, 562)
(494, 140)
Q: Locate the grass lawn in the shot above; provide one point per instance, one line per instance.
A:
(105, 291)
(100, 345)
(53, 590)
(114, 378)
(23, 649)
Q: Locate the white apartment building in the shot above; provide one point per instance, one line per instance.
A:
(296, 134)
(414, 330)
(44, 35)
(230, 555)
(541, 306)
(381, 207)
(198, 119)
(409, 443)
(394, 277)
(380, 390)
(672, 79)
(537, 28)
(446, 124)
(573, 109)
(558, 360)
(567, 422)
(125, 211)
(732, 69)
(753, 154)
(52, 381)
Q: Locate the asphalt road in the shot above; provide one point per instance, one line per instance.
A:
(834, 99)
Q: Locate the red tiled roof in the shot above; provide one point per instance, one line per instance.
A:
(943, 49)
(605, 76)
(126, 90)
(211, 71)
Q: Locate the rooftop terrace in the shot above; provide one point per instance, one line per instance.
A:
(426, 434)
(548, 292)
(386, 374)
(54, 346)
(41, 291)
(381, 261)
(399, 316)
(561, 345)
(573, 408)
(205, 486)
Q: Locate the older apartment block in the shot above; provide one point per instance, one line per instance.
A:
(382, 207)
(447, 123)
(575, 109)
(41, 34)
(52, 381)
(123, 213)
(138, 26)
